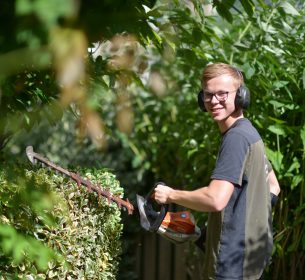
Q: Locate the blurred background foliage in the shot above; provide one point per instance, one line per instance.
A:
(114, 84)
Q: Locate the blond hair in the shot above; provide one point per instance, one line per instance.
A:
(216, 69)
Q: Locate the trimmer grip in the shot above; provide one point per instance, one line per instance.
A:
(163, 208)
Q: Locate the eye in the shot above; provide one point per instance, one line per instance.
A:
(208, 94)
(221, 93)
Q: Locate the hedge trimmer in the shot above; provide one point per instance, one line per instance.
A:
(121, 203)
(178, 227)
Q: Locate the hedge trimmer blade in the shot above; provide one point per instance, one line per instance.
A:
(121, 203)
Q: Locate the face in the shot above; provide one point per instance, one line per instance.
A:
(222, 111)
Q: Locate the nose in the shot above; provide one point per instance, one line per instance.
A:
(214, 100)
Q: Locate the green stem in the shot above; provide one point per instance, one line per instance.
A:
(242, 34)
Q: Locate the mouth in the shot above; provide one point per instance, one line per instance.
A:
(215, 110)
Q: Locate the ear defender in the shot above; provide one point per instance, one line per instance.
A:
(242, 98)
(200, 101)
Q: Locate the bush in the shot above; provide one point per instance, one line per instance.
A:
(51, 228)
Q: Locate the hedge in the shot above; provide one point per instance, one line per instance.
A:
(51, 228)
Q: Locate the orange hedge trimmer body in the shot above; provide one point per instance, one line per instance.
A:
(177, 227)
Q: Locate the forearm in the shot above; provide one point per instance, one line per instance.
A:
(199, 200)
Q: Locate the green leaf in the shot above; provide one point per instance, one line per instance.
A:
(268, 28)
(289, 9)
(296, 180)
(249, 6)
(248, 70)
(302, 134)
(191, 152)
(197, 35)
(276, 159)
(276, 129)
(267, 48)
(276, 103)
(223, 11)
(241, 46)
(294, 166)
(280, 84)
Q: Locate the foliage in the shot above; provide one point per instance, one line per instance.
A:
(50, 228)
(24, 203)
(169, 140)
(145, 84)
(43, 60)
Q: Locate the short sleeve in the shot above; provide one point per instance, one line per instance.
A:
(231, 158)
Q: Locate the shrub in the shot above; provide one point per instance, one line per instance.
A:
(51, 228)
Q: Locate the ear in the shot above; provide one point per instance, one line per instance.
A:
(200, 101)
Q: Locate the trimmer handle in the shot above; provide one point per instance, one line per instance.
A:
(159, 217)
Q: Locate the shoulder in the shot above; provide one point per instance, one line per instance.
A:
(242, 131)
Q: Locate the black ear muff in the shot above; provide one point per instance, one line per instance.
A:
(242, 99)
(200, 101)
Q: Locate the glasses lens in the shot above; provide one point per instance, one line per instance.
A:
(221, 95)
(207, 97)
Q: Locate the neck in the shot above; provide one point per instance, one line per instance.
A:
(224, 125)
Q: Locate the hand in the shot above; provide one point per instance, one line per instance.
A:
(162, 194)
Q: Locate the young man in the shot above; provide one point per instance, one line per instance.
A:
(243, 184)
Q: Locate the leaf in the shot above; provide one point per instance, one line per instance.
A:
(276, 103)
(280, 84)
(197, 35)
(248, 70)
(241, 46)
(289, 9)
(191, 152)
(223, 11)
(268, 28)
(276, 158)
(294, 166)
(296, 180)
(302, 134)
(248, 6)
(187, 54)
(276, 129)
(268, 49)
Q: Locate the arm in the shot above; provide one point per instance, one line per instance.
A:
(273, 182)
(274, 187)
(212, 198)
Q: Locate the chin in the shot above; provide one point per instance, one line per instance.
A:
(217, 117)
(220, 118)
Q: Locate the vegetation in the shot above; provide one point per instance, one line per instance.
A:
(52, 229)
(135, 95)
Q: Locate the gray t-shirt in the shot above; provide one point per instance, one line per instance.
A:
(239, 238)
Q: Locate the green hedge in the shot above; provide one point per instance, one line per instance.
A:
(50, 228)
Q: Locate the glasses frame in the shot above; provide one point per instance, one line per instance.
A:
(212, 94)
